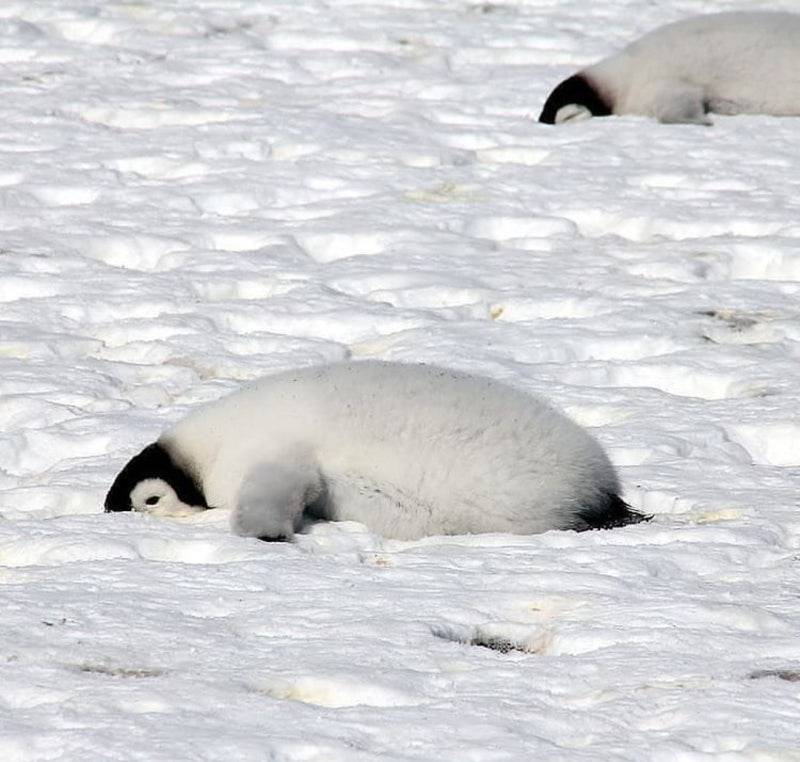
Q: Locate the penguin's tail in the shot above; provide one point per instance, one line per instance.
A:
(609, 512)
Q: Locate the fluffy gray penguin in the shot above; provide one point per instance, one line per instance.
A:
(407, 450)
(744, 62)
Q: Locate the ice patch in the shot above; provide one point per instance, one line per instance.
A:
(54, 551)
(336, 692)
(139, 252)
(524, 155)
(92, 31)
(152, 116)
(330, 247)
(594, 223)
(283, 150)
(44, 501)
(509, 228)
(769, 444)
(14, 287)
(10, 178)
(195, 551)
(757, 261)
(19, 696)
(228, 203)
(231, 239)
(159, 167)
(675, 380)
(63, 195)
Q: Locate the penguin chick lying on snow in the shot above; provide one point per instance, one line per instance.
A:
(407, 450)
(726, 63)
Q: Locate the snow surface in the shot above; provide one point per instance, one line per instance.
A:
(197, 192)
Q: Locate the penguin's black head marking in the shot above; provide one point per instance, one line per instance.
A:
(575, 91)
(153, 463)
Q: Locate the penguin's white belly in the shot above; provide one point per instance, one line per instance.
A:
(385, 507)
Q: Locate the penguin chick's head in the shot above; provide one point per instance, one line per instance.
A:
(576, 98)
(152, 482)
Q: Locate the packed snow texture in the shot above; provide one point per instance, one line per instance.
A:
(194, 193)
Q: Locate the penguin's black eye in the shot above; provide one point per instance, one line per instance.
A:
(152, 500)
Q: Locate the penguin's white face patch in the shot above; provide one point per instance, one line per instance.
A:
(572, 112)
(155, 496)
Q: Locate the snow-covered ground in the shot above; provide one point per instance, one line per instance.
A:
(197, 192)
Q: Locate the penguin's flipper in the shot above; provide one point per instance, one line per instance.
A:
(675, 102)
(272, 498)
